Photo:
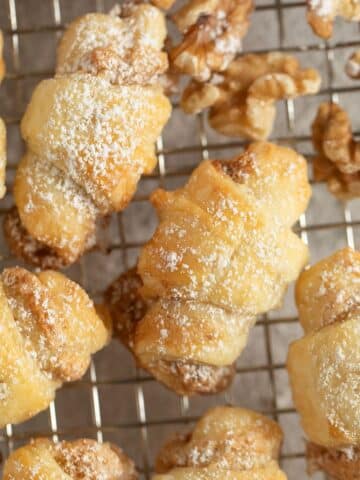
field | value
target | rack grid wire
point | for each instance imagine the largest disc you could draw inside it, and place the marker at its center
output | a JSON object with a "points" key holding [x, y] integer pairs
{"points": [[114, 401]]}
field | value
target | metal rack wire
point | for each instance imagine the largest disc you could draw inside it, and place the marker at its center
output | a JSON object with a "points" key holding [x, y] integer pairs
{"points": [[135, 430]]}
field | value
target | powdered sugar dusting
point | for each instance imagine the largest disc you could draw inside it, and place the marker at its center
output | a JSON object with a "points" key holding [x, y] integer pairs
{"points": [[78, 460], [92, 129], [52, 325], [220, 256], [125, 48], [327, 396], [226, 439]]}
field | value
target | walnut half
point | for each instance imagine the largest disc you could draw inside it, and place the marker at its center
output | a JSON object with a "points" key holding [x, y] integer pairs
{"points": [[213, 30], [321, 14], [338, 159], [242, 100]]}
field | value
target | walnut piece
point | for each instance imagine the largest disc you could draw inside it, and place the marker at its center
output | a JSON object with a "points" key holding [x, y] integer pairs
{"points": [[321, 14], [242, 99], [213, 30], [338, 159], [353, 65]]}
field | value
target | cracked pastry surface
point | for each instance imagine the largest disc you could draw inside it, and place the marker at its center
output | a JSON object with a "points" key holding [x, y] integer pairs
{"points": [[338, 153], [223, 252], [226, 443], [324, 365], [321, 14], [212, 34], [49, 331], [77, 460], [242, 100], [90, 131]]}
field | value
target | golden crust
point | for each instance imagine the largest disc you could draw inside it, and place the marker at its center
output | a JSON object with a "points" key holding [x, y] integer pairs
{"points": [[321, 14], [91, 44], [328, 291], [77, 460], [242, 100], [90, 131], [108, 169], [24, 246], [213, 30], [338, 154], [127, 308], [223, 252], [227, 442], [324, 364], [50, 329]]}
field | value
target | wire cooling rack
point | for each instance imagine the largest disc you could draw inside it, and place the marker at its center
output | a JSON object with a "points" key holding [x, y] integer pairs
{"points": [[114, 401]]}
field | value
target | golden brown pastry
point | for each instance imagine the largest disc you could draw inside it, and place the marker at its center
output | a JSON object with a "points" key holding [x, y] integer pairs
{"points": [[227, 443], [212, 34], [321, 14], [90, 133], [338, 153], [49, 329], [223, 252], [324, 365], [353, 65], [242, 100], [78, 460]]}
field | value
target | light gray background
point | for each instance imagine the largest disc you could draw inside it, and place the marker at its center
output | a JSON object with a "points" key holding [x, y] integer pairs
{"points": [[136, 412]]}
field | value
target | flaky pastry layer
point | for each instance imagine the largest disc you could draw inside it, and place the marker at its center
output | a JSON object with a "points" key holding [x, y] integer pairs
{"points": [[90, 132], [226, 443], [49, 330], [223, 252], [77, 460], [324, 365]]}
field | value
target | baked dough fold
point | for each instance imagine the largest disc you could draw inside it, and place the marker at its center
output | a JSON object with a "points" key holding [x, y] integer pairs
{"points": [[90, 133], [226, 443], [77, 460], [223, 253], [49, 330], [324, 365]]}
